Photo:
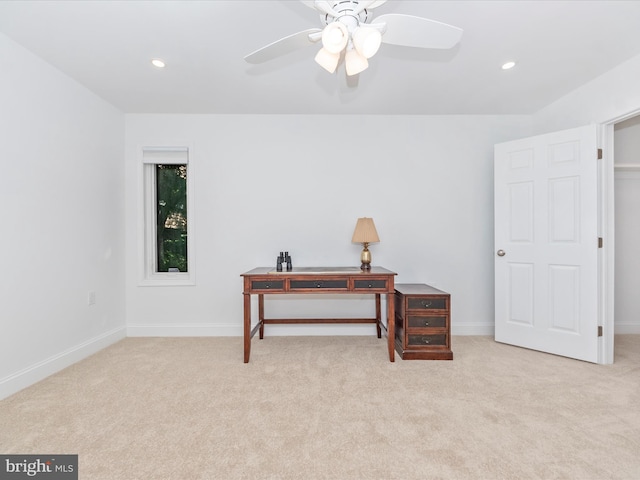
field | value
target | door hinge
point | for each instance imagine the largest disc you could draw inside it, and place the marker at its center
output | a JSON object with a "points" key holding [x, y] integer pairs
{"points": [[600, 242], [599, 330], [599, 154]]}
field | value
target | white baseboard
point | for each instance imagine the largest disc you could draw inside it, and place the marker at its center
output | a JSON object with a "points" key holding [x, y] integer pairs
{"points": [[489, 329], [626, 328], [41, 370], [182, 330], [235, 330], [468, 329]]}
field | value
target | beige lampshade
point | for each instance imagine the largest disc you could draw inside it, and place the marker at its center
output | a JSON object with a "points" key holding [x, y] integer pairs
{"points": [[365, 231]]}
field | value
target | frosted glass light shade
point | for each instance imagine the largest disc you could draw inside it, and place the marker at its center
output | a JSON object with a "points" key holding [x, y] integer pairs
{"points": [[327, 60], [335, 37], [354, 62], [367, 41]]}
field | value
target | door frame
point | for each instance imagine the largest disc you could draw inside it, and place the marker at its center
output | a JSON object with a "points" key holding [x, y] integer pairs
{"points": [[607, 228]]}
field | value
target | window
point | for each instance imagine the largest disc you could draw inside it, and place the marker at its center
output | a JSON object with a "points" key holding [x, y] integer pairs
{"points": [[167, 246], [171, 218]]}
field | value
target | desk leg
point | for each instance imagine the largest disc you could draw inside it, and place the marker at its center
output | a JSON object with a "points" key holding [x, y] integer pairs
{"points": [[391, 325], [378, 315], [247, 327], [261, 314]]}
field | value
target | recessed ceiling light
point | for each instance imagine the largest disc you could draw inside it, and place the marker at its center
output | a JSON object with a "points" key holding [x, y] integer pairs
{"points": [[508, 65], [156, 62]]}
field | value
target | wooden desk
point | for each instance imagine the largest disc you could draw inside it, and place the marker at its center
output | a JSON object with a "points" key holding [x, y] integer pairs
{"points": [[263, 281]]}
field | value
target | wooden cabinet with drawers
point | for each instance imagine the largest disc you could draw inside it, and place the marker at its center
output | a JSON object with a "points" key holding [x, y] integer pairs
{"points": [[423, 322]]}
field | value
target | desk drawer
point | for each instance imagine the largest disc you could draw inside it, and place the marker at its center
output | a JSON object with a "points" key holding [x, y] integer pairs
{"points": [[259, 285], [434, 321], [427, 340], [428, 303], [319, 284], [369, 284]]}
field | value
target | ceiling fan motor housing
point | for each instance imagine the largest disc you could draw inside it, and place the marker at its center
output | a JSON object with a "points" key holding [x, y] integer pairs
{"points": [[346, 10]]}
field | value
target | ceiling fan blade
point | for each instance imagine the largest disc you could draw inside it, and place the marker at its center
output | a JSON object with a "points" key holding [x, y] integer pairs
{"points": [[410, 31], [325, 7], [285, 45], [367, 5], [322, 6], [376, 4]]}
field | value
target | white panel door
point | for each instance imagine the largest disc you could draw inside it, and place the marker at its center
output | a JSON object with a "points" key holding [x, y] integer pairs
{"points": [[546, 243]]}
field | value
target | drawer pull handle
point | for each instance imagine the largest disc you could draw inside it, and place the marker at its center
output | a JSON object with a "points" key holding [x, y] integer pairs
{"points": [[426, 340], [370, 286], [426, 323], [426, 303], [268, 285], [318, 284]]}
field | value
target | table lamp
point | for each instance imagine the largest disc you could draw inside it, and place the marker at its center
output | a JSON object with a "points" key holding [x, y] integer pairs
{"points": [[365, 233]]}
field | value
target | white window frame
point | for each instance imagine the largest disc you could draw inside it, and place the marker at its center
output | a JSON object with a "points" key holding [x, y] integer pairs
{"points": [[150, 157]]}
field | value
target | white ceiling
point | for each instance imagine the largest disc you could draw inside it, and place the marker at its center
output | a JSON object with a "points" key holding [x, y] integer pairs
{"points": [[108, 45]]}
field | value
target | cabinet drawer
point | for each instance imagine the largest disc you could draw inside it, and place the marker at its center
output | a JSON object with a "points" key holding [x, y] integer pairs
{"points": [[427, 340], [324, 284], [267, 285], [427, 303], [370, 284], [421, 321]]}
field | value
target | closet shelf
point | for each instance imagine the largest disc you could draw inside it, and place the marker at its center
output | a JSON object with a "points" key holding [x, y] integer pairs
{"points": [[628, 167]]}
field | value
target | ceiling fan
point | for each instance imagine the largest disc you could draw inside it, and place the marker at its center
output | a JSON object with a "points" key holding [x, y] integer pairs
{"points": [[350, 34]]}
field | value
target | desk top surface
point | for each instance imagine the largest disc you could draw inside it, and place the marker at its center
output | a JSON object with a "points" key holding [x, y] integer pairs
{"points": [[319, 271]]}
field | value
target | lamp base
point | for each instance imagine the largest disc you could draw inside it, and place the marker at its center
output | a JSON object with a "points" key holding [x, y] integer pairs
{"points": [[365, 257]]}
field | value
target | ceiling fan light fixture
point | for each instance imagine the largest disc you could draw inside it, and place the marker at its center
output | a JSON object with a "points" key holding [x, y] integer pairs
{"points": [[354, 62], [367, 41], [327, 60], [335, 37], [348, 36]]}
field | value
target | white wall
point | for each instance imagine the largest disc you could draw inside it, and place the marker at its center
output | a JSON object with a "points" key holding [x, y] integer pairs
{"points": [[627, 225], [610, 96], [61, 191], [269, 183]]}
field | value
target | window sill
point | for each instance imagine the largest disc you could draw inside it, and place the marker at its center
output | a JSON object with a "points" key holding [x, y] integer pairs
{"points": [[168, 280]]}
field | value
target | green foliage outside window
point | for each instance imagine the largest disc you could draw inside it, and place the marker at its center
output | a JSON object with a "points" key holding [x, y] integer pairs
{"points": [[171, 191]]}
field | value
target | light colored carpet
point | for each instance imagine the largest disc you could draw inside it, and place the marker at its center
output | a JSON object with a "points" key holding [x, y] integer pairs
{"points": [[333, 408]]}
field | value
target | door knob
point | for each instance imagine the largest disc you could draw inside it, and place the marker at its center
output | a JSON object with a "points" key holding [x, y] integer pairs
{"points": [[501, 253]]}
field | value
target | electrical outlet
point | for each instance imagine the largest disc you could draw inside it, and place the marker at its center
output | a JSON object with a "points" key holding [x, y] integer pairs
{"points": [[91, 298]]}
